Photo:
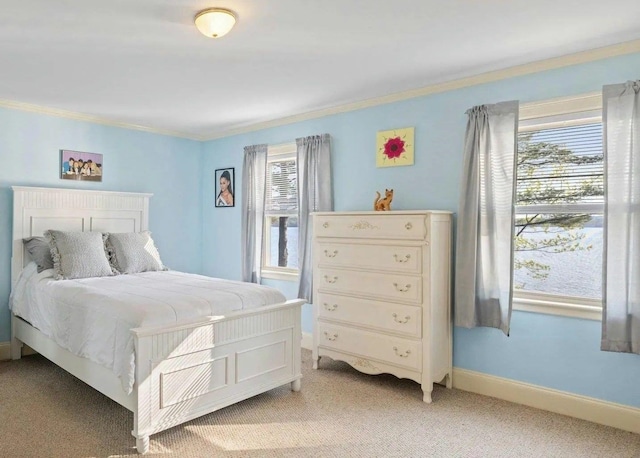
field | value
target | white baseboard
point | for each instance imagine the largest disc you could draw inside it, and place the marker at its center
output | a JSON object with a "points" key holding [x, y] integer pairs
{"points": [[307, 340], [5, 351], [574, 405]]}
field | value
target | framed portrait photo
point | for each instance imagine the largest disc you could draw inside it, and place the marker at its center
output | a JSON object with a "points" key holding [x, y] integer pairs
{"points": [[78, 165], [225, 187]]}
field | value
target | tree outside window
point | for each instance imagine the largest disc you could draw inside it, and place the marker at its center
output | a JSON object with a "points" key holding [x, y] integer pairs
{"points": [[559, 205], [281, 210]]}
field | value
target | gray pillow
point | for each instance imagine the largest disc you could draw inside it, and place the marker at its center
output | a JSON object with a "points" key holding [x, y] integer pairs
{"points": [[133, 252], [38, 249], [78, 254]]}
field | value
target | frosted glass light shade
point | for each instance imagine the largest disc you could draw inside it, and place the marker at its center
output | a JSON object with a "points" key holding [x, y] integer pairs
{"points": [[215, 22]]}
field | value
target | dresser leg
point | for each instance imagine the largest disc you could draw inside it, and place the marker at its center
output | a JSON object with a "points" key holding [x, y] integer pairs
{"points": [[426, 393], [449, 381], [315, 362]]}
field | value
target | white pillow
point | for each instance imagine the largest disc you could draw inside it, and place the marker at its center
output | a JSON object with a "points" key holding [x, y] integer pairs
{"points": [[133, 252], [78, 254]]}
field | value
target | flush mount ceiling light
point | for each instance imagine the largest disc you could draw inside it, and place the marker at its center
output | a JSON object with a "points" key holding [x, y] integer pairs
{"points": [[215, 22]]}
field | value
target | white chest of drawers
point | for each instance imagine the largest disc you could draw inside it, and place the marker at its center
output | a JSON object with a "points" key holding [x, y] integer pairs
{"points": [[382, 293]]}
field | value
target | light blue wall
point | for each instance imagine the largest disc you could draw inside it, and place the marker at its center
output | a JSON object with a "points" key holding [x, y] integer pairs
{"points": [[133, 161], [555, 352], [193, 236]]}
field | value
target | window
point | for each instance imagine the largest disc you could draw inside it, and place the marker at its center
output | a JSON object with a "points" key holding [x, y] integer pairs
{"points": [[559, 213], [280, 256]]}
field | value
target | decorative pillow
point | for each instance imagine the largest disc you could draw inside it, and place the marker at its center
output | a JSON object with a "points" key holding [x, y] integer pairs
{"points": [[78, 254], [38, 249], [133, 252]]}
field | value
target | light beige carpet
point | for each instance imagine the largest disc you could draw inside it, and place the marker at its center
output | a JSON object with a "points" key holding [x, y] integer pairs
{"points": [[44, 412]]}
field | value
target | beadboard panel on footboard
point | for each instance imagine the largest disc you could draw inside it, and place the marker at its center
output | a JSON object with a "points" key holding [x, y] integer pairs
{"points": [[193, 369]]}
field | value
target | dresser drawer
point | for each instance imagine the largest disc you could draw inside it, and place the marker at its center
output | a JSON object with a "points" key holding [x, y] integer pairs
{"points": [[403, 288], [382, 226], [392, 350], [384, 316], [375, 257]]}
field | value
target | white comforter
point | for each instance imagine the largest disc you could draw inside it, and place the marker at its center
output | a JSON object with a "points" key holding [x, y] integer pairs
{"points": [[92, 317]]}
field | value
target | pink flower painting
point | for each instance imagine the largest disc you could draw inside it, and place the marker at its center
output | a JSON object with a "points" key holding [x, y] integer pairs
{"points": [[395, 147]]}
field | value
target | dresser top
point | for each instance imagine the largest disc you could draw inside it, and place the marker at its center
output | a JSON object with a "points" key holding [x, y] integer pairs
{"points": [[392, 212]]}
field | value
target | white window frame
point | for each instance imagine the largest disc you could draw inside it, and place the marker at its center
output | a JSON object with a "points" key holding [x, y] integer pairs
{"points": [[274, 154], [547, 114]]}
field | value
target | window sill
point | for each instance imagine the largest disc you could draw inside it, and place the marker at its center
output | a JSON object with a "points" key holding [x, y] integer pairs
{"points": [[280, 275], [570, 307]]}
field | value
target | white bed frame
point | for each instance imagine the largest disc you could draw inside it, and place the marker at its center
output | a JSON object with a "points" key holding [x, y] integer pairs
{"points": [[183, 371]]}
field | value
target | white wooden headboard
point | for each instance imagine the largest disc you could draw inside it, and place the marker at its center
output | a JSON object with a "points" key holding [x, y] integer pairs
{"points": [[37, 209]]}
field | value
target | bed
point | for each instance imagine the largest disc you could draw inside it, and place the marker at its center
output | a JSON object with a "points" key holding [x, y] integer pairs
{"points": [[182, 370]]}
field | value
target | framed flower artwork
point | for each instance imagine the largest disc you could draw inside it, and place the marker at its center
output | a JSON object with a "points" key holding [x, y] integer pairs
{"points": [[394, 147]]}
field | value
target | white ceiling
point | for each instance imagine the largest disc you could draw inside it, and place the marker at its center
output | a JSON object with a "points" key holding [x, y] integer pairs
{"points": [[143, 62]]}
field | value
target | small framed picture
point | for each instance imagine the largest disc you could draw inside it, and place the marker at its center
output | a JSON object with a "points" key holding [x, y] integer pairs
{"points": [[77, 165], [225, 185]]}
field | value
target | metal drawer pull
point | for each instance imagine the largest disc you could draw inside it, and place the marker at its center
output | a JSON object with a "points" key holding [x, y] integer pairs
{"points": [[328, 336], [399, 288], [401, 321], [330, 255], [408, 226], [325, 225], [401, 355], [330, 308], [406, 258], [330, 280]]}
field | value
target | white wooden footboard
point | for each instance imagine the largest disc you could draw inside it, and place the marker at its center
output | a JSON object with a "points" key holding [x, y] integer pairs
{"points": [[189, 370], [185, 371]]}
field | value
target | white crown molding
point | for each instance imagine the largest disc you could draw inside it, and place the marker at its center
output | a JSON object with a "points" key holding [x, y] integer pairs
{"points": [[574, 405], [620, 49], [92, 119]]}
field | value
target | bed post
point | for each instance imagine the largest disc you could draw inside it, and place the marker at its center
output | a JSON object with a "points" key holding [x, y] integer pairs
{"points": [[16, 345], [297, 349], [142, 412]]}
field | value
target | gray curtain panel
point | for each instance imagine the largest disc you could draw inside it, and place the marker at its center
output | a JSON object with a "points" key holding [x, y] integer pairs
{"points": [[254, 171], [484, 250], [621, 263], [314, 194]]}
